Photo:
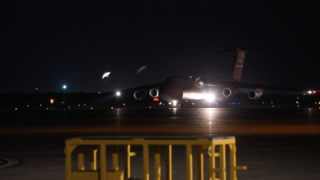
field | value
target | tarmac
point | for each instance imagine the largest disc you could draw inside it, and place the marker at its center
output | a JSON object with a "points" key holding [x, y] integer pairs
{"points": [[272, 143]]}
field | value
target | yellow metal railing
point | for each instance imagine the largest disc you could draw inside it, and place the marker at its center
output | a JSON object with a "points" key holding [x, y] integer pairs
{"points": [[202, 143]]}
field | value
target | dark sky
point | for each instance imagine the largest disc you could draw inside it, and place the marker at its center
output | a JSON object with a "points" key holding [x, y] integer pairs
{"points": [[46, 44]]}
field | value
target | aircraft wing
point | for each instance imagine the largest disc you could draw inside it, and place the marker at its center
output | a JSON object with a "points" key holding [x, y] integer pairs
{"points": [[238, 84], [142, 87]]}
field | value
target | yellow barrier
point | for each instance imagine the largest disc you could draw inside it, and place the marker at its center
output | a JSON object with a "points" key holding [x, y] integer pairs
{"points": [[202, 143]]}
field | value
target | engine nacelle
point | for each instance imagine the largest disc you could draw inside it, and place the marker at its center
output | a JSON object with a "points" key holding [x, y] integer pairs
{"points": [[255, 94], [154, 92], [139, 95], [227, 92]]}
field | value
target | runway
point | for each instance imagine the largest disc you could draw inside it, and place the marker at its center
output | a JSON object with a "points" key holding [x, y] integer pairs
{"points": [[201, 121], [273, 143]]}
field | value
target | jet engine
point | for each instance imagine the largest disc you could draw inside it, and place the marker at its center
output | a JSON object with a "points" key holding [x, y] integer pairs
{"points": [[227, 92], [139, 95], [255, 94], [154, 92]]}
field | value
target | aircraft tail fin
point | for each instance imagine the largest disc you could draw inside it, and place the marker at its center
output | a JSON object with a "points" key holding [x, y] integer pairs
{"points": [[238, 65]]}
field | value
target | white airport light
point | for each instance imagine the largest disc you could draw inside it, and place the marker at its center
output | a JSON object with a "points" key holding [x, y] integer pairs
{"points": [[64, 86], [309, 92], [118, 93], [174, 103]]}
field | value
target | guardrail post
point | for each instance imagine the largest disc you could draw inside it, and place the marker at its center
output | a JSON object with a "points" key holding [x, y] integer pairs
{"points": [[157, 163], [80, 158], [68, 152], [222, 163], [103, 161], [115, 158], [233, 162], [200, 163], [233, 171], [169, 162], [145, 161], [127, 161], [212, 161], [189, 162], [93, 157]]}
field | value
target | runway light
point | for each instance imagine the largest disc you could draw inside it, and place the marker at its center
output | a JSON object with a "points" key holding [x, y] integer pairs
{"points": [[91, 108], [155, 99], [169, 103], [40, 104], [15, 108], [111, 107], [314, 92], [309, 92], [118, 93], [64, 86]]}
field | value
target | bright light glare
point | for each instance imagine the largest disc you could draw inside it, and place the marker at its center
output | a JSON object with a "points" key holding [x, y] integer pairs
{"points": [[174, 102], [118, 93], [210, 97], [64, 86], [309, 92]]}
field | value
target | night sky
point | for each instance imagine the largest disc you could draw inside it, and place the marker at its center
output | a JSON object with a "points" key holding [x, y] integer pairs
{"points": [[46, 44]]}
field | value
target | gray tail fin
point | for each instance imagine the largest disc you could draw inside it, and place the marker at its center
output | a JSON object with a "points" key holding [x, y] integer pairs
{"points": [[238, 65]]}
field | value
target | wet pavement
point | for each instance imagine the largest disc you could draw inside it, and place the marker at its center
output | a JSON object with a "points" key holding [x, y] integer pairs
{"points": [[273, 143]]}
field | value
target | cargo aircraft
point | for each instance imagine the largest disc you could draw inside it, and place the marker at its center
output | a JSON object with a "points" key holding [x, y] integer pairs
{"points": [[175, 89]]}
